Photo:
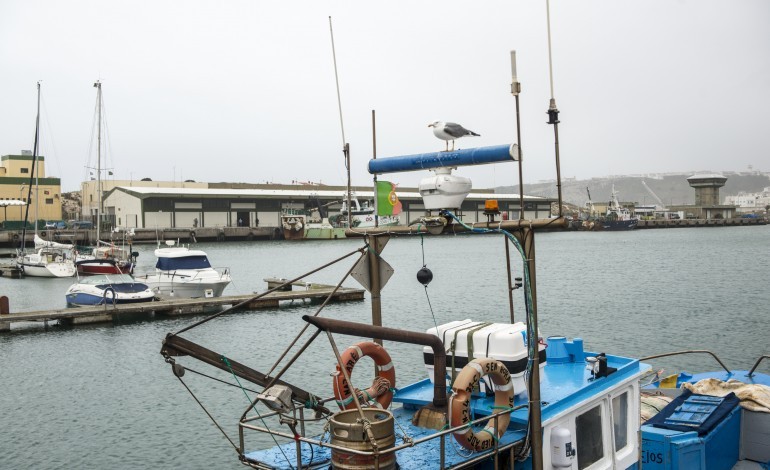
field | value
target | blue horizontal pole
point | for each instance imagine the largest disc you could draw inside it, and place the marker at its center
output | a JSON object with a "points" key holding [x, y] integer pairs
{"points": [[464, 157]]}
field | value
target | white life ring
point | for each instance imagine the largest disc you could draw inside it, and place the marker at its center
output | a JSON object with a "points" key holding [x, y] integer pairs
{"points": [[460, 404]]}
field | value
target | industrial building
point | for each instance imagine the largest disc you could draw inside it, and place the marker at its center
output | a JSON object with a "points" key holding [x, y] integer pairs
{"points": [[261, 205], [43, 195]]}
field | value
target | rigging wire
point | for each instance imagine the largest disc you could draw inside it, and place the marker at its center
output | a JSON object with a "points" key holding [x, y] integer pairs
{"points": [[253, 405], [432, 314], [208, 414]]}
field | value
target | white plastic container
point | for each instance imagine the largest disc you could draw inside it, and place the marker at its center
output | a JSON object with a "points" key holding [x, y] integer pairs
{"points": [[503, 341]]}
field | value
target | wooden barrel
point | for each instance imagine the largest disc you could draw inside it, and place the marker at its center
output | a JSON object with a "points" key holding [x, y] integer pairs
{"points": [[347, 432]]}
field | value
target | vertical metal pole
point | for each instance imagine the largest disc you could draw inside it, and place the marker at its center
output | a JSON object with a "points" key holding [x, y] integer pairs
{"points": [[527, 238], [374, 277], [515, 90], [521, 172], [347, 165], [508, 271], [374, 157], [553, 113]]}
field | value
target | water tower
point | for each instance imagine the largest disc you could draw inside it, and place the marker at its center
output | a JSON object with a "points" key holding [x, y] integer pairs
{"points": [[707, 188]]}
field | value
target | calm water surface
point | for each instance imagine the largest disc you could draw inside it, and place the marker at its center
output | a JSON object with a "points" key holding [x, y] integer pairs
{"points": [[102, 397]]}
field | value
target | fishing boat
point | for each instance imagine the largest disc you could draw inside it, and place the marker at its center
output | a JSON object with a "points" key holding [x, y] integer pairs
{"points": [[493, 394], [183, 272], [108, 289], [363, 215], [617, 216], [314, 223]]}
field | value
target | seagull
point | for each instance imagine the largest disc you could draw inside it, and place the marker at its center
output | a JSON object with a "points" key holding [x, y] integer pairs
{"points": [[450, 131]]}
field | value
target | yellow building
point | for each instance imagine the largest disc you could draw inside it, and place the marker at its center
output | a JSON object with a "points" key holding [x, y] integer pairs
{"points": [[15, 172]]}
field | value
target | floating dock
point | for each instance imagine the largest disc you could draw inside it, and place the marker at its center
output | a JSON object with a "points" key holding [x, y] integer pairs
{"points": [[182, 306]]}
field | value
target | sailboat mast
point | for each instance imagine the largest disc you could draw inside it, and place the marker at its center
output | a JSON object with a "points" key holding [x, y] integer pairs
{"points": [[32, 174], [345, 146], [98, 86]]}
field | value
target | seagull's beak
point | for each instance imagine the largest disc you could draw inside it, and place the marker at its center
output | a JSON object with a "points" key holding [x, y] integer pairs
{"points": [[430, 125]]}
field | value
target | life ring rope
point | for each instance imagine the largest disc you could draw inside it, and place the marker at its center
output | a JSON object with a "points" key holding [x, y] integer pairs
{"points": [[460, 403], [380, 394]]}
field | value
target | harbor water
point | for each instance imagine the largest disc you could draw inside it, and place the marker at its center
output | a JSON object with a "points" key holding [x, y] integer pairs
{"points": [[101, 396]]}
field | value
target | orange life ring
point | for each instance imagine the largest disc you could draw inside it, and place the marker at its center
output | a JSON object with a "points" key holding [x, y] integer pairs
{"points": [[460, 404], [386, 373]]}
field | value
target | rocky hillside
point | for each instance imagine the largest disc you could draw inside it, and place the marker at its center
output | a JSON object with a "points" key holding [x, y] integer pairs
{"points": [[671, 189], [70, 205]]}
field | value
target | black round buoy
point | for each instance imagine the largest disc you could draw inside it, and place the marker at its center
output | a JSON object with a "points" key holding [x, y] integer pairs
{"points": [[424, 275]]}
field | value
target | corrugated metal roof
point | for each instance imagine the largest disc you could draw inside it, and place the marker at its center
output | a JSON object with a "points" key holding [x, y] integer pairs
{"points": [[410, 193]]}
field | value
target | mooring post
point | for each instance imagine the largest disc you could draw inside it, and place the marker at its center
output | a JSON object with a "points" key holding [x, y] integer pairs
{"points": [[4, 310]]}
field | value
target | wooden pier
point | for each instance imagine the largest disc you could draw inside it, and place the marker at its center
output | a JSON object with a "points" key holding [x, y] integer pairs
{"points": [[681, 223], [179, 306]]}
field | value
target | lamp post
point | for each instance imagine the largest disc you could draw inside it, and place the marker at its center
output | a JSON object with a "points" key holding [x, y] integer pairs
{"points": [[21, 192]]}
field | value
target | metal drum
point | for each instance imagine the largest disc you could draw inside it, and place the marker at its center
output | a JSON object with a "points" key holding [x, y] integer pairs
{"points": [[346, 431]]}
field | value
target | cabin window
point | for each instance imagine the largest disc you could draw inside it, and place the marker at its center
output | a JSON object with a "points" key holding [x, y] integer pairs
{"points": [[25, 170], [588, 430], [186, 262], [49, 201], [620, 420]]}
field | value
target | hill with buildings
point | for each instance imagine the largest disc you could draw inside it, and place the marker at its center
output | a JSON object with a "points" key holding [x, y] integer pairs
{"points": [[671, 189]]}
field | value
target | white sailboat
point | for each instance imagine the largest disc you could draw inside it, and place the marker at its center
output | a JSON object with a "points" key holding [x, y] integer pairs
{"points": [[49, 259], [105, 257]]}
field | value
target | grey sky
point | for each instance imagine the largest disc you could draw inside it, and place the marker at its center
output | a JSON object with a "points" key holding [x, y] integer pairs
{"points": [[243, 91]]}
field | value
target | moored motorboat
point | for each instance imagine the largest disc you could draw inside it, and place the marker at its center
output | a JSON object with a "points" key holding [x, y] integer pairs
{"points": [[108, 289], [183, 272], [106, 258]]}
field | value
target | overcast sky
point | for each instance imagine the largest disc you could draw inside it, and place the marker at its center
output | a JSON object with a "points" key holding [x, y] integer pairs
{"points": [[243, 91]]}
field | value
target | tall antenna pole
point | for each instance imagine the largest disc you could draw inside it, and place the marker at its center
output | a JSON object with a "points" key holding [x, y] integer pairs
{"points": [[345, 146], [515, 90], [553, 112]]}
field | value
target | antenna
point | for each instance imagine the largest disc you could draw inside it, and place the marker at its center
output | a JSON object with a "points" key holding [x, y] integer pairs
{"points": [[553, 112], [345, 146], [515, 90]]}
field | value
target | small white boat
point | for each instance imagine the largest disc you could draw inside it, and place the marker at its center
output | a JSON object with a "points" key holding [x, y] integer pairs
{"points": [[108, 289], [182, 272]]}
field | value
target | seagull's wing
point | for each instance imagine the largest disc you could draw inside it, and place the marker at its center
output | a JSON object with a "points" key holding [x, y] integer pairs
{"points": [[456, 130]]}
